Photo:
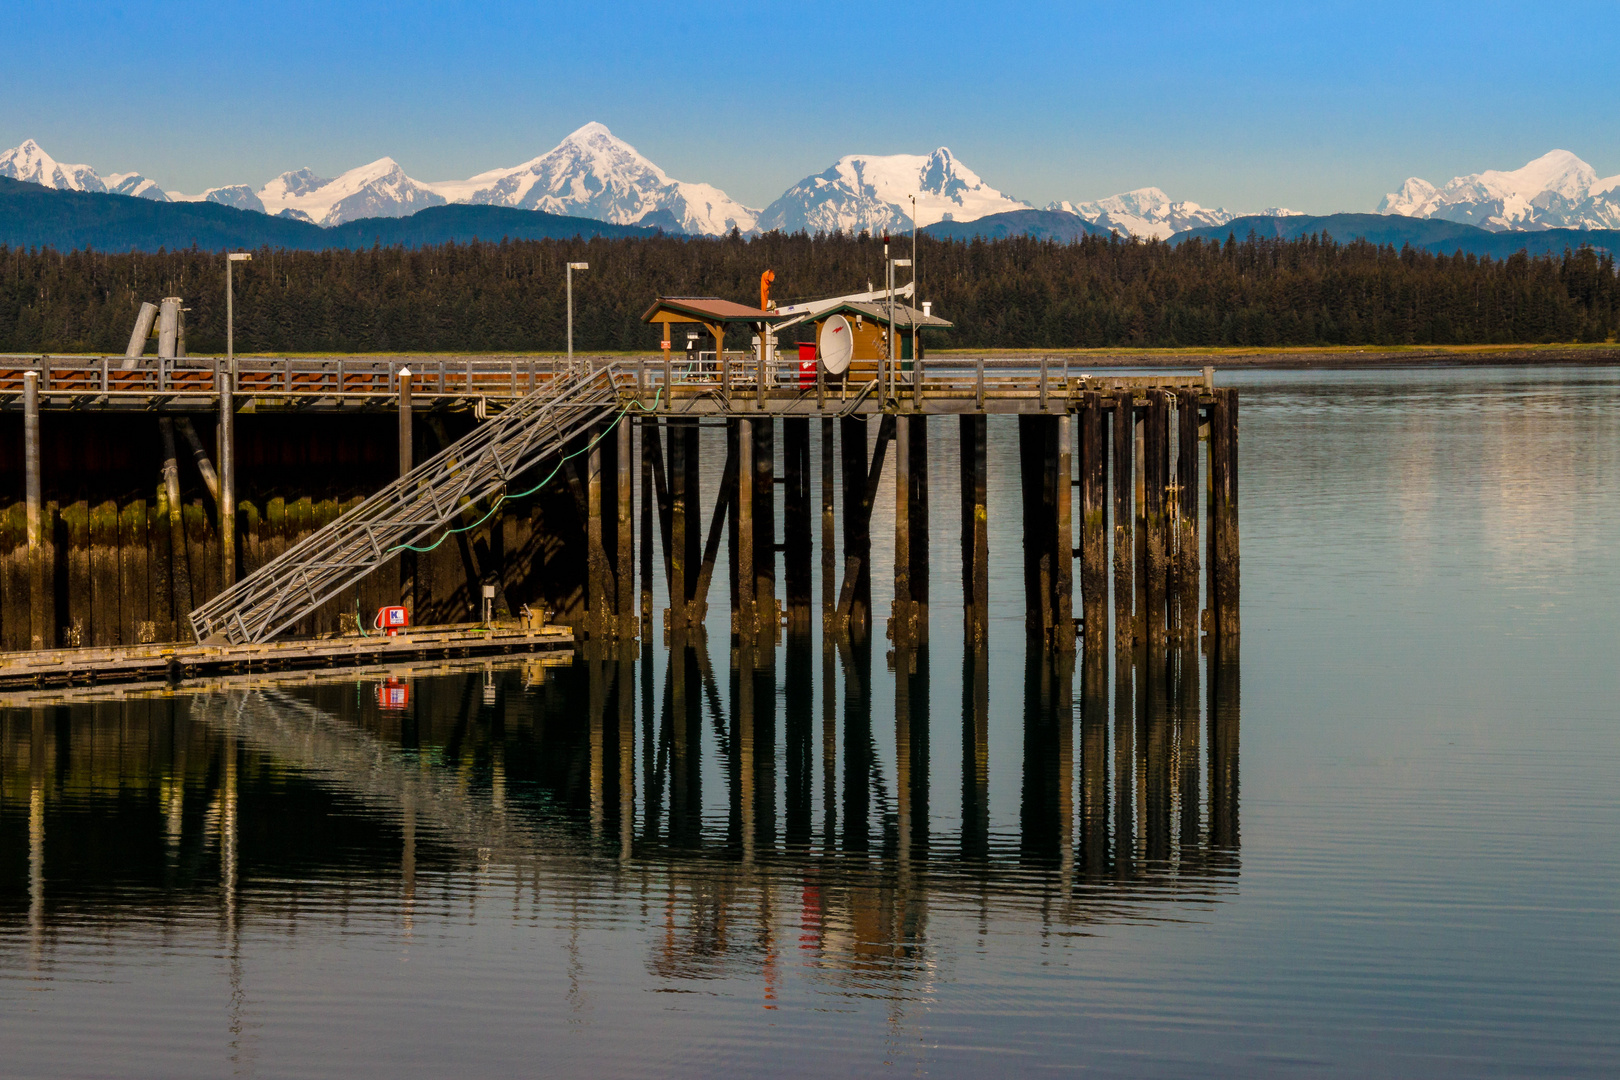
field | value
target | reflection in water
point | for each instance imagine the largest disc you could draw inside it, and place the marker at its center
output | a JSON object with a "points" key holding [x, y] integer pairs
{"points": [[756, 847]]}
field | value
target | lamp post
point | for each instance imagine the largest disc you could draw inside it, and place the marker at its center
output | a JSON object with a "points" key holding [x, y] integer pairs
{"points": [[227, 430], [571, 268], [894, 337]]}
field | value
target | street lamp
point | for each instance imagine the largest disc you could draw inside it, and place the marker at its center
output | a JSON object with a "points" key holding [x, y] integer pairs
{"points": [[227, 429], [571, 268]]}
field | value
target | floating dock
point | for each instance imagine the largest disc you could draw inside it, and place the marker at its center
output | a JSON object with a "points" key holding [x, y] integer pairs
{"points": [[173, 662]]}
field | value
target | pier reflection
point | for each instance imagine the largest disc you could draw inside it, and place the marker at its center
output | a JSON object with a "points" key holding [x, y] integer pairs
{"points": [[754, 836]]}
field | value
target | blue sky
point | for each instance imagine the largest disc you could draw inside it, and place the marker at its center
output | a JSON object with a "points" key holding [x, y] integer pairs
{"points": [[1318, 107]]}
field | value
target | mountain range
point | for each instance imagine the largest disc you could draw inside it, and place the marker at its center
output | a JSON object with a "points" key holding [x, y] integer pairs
{"points": [[593, 176]]}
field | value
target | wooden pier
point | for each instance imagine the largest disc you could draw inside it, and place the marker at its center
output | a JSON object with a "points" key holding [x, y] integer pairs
{"points": [[1134, 478]]}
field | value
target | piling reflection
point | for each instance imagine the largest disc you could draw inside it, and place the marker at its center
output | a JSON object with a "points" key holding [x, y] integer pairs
{"points": [[754, 844]]}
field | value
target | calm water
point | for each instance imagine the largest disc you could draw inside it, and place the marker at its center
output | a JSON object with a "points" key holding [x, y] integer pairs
{"points": [[654, 869]]}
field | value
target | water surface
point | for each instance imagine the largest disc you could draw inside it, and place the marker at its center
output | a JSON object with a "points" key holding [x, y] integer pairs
{"points": [[1380, 836]]}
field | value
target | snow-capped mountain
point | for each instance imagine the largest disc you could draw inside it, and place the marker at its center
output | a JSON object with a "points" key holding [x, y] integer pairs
{"points": [[863, 191], [135, 184], [1556, 190], [30, 162], [380, 189], [1150, 213], [238, 195], [594, 174]]}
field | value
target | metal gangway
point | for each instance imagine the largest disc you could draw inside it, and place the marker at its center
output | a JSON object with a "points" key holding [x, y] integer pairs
{"points": [[409, 510]]}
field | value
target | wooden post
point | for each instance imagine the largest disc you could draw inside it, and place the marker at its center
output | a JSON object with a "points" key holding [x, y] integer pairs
{"points": [[1124, 519], [1156, 466], [679, 526], [407, 559], [649, 446], [39, 634], [744, 617], [900, 610], [597, 620], [796, 533], [918, 517], [1223, 524], [765, 613], [694, 525], [1037, 483], [1060, 457], [1188, 490], [1093, 515], [857, 538], [624, 548], [829, 560], [975, 530], [227, 478], [178, 557]]}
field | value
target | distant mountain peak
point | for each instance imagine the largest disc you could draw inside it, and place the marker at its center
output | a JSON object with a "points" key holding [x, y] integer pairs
{"points": [[30, 162], [1555, 190], [874, 192]]}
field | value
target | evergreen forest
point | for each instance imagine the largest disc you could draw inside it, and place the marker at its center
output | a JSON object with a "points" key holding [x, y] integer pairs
{"points": [[1016, 292]]}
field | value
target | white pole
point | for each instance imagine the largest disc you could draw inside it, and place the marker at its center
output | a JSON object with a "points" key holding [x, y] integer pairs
{"points": [[570, 316]]}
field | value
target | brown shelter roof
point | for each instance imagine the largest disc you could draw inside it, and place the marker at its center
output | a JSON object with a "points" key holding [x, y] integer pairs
{"points": [[705, 309]]}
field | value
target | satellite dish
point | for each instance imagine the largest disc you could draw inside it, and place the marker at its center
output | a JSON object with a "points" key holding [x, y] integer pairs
{"points": [[836, 345]]}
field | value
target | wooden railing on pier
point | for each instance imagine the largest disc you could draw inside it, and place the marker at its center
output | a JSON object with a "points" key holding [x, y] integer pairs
{"points": [[189, 384]]}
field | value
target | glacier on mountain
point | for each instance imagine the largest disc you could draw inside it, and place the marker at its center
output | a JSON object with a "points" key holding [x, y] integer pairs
{"points": [[873, 192], [30, 162], [594, 174], [1555, 191]]}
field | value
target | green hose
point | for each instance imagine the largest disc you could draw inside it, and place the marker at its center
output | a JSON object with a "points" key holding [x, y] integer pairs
{"points": [[503, 496]]}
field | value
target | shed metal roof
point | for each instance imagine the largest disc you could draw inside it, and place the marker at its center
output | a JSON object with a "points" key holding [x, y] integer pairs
{"points": [[707, 309], [905, 316]]}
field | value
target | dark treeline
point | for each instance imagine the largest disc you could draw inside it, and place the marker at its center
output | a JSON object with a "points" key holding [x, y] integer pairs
{"points": [[1013, 293]]}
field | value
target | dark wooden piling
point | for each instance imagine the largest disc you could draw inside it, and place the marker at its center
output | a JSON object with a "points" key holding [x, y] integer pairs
{"points": [[829, 542], [901, 622], [179, 553], [1038, 521], [1093, 515], [40, 633], [78, 627], [975, 529], [1060, 463], [1124, 518], [767, 617], [918, 516], [1156, 482], [796, 528], [650, 446], [1188, 491], [860, 490], [683, 520], [624, 546], [1223, 516], [596, 565], [744, 612]]}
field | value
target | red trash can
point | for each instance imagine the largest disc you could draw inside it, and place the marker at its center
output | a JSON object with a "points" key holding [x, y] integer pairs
{"points": [[807, 363]]}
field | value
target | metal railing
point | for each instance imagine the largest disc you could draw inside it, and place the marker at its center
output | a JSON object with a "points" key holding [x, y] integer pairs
{"points": [[411, 509]]}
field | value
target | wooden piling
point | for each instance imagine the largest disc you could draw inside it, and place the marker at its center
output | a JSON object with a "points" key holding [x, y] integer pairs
{"points": [[650, 446], [854, 608], [1124, 518], [829, 559], [1037, 476], [1155, 480], [78, 628], [766, 617], [1223, 517], [596, 569], [920, 532], [1187, 491], [900, 619], [975, 529], [179, 554], [1093, 515], [680, 503], [796, 529], [40, 633], [624, 545], [1060, 457], [744, 616]]}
